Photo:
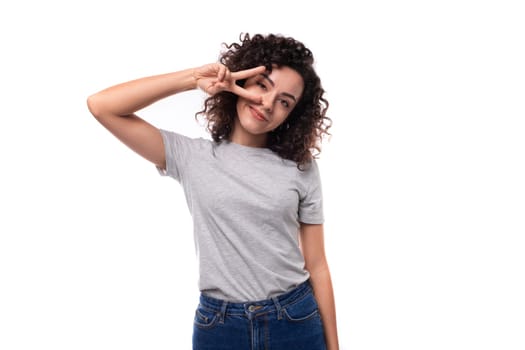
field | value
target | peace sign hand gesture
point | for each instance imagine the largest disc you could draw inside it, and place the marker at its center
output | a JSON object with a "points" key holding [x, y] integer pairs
{"points": [[215, 77]]}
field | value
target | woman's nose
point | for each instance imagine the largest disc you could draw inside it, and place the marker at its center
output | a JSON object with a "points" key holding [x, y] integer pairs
{"points": [[267, 102]]}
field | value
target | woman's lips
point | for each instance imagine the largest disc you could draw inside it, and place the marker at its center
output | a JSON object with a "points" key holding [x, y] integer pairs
{"points": [[258, 115]]}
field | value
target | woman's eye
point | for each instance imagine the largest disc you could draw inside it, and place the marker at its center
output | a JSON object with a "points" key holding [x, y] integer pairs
{"points": [[285, 103], [261, 85]]}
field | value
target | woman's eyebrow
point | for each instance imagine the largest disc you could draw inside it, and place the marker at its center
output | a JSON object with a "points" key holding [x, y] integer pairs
{"points": [[267, 77]]}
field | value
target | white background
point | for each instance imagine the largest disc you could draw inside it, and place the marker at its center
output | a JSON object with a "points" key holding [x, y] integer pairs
{"points": [[423, 176]]}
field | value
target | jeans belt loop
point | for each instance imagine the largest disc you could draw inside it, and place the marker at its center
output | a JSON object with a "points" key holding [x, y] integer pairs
{"points": [[278, 307], [223, 311]]}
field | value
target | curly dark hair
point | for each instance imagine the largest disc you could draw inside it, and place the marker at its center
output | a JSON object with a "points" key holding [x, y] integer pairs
{"points": [[299, 137]]}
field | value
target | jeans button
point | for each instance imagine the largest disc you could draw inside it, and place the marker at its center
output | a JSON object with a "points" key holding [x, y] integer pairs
{"points": [[251, 308]]}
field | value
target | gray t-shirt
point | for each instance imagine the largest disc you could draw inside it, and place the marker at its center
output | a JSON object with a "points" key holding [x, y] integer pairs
{"points": [[246, 204]]}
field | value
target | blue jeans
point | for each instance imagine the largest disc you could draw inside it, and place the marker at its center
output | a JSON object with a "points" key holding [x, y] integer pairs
{"points": [[289, 321]]}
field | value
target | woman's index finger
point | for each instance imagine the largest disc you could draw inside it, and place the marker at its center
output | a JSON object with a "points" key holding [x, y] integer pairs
{"points": [[248, 73], [241, 92]]}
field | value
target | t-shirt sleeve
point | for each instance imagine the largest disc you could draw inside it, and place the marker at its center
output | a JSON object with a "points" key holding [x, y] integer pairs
{"points": [[178, 150], [311, 202]]}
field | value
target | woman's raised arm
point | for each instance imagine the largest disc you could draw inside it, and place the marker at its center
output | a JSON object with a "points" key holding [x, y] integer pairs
{"points": [[115, 107]]}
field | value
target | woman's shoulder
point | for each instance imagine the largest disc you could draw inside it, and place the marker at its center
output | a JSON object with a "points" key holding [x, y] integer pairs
{"points": [[309, 171], [185, 139]]}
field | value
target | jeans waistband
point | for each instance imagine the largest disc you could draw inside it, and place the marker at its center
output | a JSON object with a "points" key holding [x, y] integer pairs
{"points": [[224, 307]]}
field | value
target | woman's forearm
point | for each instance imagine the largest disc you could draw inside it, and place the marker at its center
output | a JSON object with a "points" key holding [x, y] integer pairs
{"points": [[324, 294], [127, 98]]}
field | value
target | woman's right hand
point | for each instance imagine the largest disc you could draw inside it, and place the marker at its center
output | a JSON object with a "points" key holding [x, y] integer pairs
{"points": [[215, 77]]}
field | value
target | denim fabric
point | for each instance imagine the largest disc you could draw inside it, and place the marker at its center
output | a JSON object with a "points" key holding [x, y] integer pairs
{"points": [[289, 321]]}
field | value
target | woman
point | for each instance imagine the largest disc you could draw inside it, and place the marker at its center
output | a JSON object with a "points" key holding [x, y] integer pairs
{"points": [[253, 191]]}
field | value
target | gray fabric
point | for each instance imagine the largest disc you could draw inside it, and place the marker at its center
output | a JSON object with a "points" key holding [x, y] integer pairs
{"points": [[246, 205]]}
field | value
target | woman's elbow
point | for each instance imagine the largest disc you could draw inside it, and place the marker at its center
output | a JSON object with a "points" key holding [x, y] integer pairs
{"points": [[93, 104]]}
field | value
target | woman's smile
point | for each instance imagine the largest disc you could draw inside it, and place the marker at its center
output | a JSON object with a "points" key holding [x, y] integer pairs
{"points": [[258, 115]]}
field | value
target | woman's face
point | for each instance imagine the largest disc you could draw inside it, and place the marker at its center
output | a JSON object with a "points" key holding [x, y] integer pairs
{"points": [[280, 91]]}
